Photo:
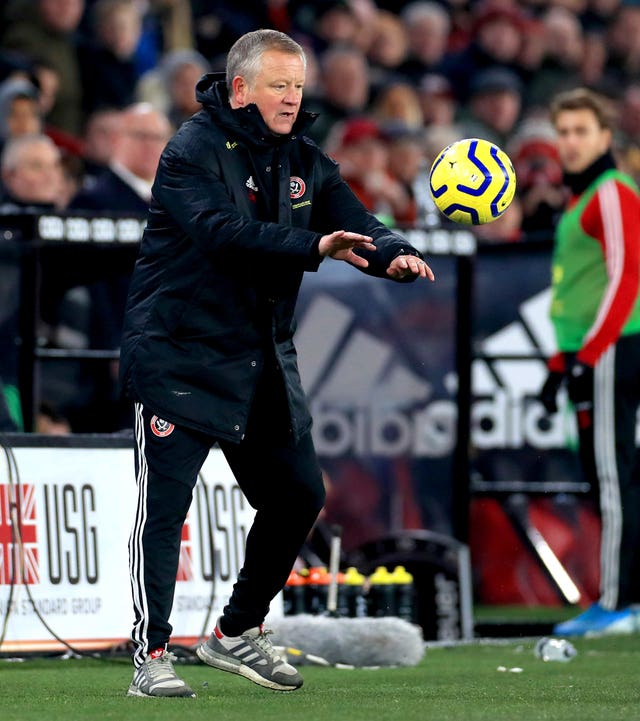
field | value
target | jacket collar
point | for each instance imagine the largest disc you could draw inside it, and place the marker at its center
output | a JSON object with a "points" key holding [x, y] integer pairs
{"points": [[579, 182]]}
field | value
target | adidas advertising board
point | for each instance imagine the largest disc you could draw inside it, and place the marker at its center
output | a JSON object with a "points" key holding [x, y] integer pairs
{"points": [[378, 363]]}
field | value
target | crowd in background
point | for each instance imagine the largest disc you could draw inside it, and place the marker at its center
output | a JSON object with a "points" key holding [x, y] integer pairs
{"points": [[90, 91]]}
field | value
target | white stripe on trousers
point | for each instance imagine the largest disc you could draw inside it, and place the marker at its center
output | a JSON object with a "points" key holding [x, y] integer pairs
{"points": [[136, 550], [604, 439]]}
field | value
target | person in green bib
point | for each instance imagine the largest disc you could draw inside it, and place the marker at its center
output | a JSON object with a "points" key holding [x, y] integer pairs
{"points": [[595, 312]]}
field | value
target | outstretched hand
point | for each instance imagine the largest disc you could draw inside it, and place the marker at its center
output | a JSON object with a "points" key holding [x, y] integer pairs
{"points": [[339, 245], [406, 265]]}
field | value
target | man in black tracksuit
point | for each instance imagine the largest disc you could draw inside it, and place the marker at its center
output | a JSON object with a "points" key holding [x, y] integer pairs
{"points": [[242, 205]]}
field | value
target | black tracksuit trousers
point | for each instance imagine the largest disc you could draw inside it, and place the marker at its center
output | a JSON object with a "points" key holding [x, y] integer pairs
{"points": [[280, 478], [609, 457]]}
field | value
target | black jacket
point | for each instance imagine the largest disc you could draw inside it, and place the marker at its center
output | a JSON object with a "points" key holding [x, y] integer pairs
{"points": [[236, 218]]}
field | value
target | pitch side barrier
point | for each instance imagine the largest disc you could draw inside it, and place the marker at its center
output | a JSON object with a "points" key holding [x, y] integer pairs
{"points": [[66, 505]]}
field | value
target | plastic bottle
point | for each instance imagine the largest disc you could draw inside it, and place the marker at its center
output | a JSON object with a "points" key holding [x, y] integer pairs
{"points": [[554, 649], [294, 594], [381, 597], [317, 587], [405, 598], [356, 603]]}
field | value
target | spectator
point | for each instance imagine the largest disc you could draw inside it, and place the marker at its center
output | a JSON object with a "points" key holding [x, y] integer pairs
{"points": [[326, 23], [407, 165], [46, 33], [494, 106], [561, 68], [363, 155], [389, 48], [125, 185], [539, 173], [344, 90], [397, 106], [428, 26], [623, 45], [107, 60], [31, 173], [32, 182], [497, 40], [19, 110], [171, 86], [437, 100], [99, 137]]}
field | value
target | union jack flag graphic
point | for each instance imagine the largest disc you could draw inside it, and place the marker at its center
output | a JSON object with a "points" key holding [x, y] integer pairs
{"points": [[185, 565], [15, 567]]}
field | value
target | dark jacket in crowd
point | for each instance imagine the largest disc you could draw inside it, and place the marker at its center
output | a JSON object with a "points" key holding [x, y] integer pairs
{"points": [[236, 218], [110, 193]]}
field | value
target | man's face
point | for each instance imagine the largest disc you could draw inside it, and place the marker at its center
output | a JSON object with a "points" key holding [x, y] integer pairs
{"points": [[277, 90], [580, 139], [37, 175], [140, 140]]}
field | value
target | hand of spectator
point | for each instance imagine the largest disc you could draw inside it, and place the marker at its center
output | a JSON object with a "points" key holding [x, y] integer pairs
{"points": [[339, 245]]}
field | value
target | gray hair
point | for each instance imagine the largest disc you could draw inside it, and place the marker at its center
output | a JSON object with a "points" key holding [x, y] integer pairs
{"points": [[246, 53], [12, 151], [425, 10]]}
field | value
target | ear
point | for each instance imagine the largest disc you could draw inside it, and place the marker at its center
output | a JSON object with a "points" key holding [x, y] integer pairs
{"points": [[240, 92]]}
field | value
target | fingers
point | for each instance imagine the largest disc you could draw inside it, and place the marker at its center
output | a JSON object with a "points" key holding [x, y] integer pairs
{"points": [[405, 265], [341, 240]]}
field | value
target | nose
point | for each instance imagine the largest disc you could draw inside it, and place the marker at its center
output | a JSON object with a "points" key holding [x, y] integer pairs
{"points": [[293, 96]]}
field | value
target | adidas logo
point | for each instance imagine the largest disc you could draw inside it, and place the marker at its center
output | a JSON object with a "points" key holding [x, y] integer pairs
{"points": [[366, 400], [507, 378], [251, 184]]}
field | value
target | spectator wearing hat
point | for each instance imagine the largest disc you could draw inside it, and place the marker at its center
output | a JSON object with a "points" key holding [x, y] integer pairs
{"points": [[437, 100], [497, 40], [363, 155], [19, 109], [494, 105], [540, 189]]}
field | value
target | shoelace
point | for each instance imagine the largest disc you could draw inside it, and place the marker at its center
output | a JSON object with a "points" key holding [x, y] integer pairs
{"points": [[264, 644], [161, 667]]}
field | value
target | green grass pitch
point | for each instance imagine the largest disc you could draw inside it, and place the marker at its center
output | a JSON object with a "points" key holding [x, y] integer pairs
{"points": [[457, 683]]}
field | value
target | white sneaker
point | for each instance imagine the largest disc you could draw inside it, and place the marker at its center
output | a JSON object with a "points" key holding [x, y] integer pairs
{"points": [[251, 655], [156, 677]]}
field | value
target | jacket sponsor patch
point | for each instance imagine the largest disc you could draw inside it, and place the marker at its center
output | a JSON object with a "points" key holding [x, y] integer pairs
{"points": [[297, 187], [160, 427]]}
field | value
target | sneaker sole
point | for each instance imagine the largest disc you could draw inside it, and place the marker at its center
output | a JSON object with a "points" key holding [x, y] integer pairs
{"points": [[135, 691], [246, 671]]}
